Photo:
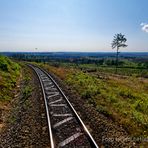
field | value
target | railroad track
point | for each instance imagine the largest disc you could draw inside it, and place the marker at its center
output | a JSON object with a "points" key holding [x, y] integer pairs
{"points": [[65, 127]]}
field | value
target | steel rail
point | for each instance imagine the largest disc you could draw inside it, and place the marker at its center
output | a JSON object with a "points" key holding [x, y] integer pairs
{"points": [[90, 138], [46, 107]]}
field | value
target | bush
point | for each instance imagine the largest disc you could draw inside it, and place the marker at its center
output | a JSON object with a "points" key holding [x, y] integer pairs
{"points": [[9, 72]]}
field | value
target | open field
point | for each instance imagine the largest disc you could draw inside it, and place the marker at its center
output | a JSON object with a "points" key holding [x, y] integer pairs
{"points": [[130, 64]]}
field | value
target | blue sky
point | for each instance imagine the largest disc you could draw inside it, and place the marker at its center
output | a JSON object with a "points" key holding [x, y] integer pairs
{"points": [[72, 25]]}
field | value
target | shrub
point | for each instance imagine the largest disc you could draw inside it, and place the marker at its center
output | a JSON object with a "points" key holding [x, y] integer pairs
{"points": [[9, 72]]}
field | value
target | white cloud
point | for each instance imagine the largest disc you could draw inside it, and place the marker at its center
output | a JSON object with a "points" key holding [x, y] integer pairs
{"points": [[142, 24], [144, 27]]}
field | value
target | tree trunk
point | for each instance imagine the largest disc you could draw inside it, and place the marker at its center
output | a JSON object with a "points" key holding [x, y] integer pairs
{"points": [[117, 59]]}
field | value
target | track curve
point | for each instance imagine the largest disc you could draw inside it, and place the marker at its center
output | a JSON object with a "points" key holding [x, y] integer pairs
{"points": [[66, 129]]}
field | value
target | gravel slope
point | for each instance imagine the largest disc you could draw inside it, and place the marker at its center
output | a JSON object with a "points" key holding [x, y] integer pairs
{"points": [[26, 125]]}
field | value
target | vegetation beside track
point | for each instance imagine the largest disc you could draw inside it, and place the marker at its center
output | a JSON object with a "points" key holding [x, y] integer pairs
{"points": [[122, 99], [9, 74]]}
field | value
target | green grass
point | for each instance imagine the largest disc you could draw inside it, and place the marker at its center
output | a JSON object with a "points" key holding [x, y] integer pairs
{"points": [[126, 67], [127, 71], [124, 104], [9, 74]]}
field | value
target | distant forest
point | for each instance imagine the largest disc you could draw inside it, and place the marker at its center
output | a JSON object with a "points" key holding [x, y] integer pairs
{"points": [[98, 58]]}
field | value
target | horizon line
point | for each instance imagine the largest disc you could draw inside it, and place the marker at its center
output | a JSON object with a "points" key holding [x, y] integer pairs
{"points": [[74, 51]]}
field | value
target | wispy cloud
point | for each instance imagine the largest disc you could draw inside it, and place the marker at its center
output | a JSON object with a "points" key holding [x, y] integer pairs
{"points": [[144, 27]]}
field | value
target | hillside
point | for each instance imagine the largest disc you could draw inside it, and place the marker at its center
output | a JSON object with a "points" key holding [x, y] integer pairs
{"points": [[9, 74]]}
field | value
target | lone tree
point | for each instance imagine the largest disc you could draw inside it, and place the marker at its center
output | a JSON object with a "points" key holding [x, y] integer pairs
{"points": [[118, 41]]}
